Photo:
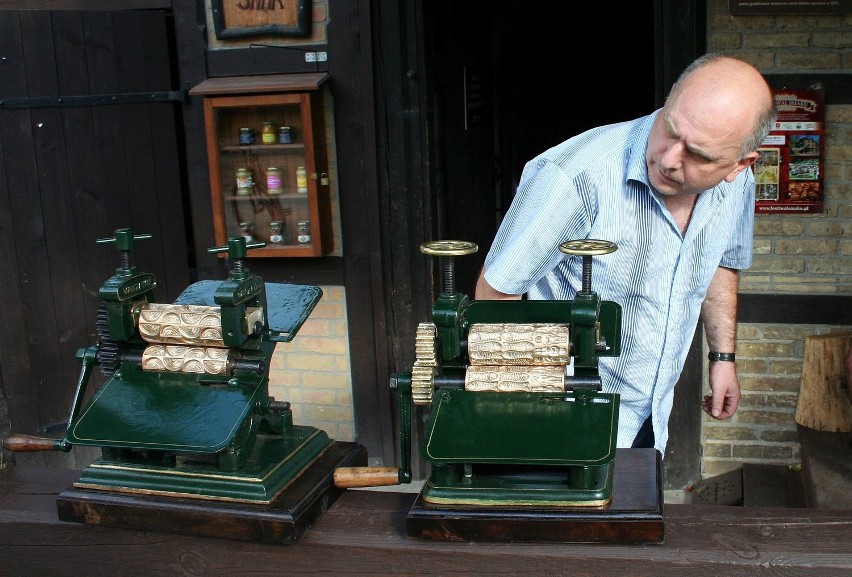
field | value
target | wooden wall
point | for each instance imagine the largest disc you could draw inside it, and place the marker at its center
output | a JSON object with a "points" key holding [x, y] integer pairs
{"points": [[89, 142]]}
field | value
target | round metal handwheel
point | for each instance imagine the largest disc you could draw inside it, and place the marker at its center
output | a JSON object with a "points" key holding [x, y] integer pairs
{"points": [[448, 248], [588, 247]]}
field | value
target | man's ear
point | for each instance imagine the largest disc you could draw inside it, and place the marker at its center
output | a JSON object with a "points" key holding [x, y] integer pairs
{"points": [[742, 164]]}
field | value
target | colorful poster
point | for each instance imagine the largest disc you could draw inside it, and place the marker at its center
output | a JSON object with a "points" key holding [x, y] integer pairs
{"points": [[789, 173]]}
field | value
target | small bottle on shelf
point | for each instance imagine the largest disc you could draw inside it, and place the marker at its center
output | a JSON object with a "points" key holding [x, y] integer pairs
{"points": [[301, 180], [246, 136], [273, 180], [276, 228], [245, 231], [304, 232], [245, 182], [268, 132]]}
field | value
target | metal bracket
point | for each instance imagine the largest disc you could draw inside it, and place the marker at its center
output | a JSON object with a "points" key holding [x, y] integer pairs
{"points": [[93, 100]]}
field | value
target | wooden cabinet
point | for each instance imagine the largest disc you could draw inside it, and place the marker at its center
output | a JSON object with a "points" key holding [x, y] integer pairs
{"points": [[270, 187]]}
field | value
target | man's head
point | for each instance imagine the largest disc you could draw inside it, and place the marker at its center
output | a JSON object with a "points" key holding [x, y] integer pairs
{"points": [[716, 116]]}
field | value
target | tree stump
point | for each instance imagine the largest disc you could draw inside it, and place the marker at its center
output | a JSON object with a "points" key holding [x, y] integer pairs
{"points": [[824, 402]]}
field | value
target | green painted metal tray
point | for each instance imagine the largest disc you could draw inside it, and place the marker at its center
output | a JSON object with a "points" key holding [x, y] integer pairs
{"points": [[521, 428], [154, 412]]}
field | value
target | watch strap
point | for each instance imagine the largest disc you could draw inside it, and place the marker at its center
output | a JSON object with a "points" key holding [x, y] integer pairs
{"points": [[729, 357]]}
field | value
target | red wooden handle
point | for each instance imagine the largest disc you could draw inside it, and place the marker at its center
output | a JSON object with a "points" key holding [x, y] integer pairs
{"points": [[29, 443]]}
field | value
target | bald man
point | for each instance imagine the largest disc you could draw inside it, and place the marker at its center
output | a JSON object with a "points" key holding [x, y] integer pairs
{"points": [[672, 190]]}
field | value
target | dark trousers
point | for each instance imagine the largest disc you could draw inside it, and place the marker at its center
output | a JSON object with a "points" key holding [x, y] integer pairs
{"points": [[645, 437]]}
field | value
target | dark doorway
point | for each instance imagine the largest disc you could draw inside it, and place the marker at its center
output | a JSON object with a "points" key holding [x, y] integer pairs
{"points": [[506, 81], [509, 80]]}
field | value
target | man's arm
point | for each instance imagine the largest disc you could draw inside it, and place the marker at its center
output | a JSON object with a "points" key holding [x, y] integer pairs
{"points": [[719, 314], [485, 292]]}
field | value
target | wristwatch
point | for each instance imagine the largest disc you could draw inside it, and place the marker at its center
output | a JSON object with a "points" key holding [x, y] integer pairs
{"points": [[714, 356]]}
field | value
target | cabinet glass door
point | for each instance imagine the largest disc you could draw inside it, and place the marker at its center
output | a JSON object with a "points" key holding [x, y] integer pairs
{"points": [[265, 182]]}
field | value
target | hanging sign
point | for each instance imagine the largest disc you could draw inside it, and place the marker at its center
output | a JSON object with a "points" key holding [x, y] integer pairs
{"points": [[247, 18], [789, 173]]}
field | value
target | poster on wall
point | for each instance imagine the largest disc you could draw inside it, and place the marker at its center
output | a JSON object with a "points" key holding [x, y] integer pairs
{"points": [[789, 173]]}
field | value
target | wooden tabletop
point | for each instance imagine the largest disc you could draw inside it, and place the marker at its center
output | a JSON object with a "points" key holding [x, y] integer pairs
{"points": [[364, 533]]}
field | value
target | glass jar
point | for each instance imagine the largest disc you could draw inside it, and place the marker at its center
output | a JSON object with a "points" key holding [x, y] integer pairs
{"points": [[246, 136], [284, 136], [245, 182], [267, 134], [276, 228], [304, 232], [245, 231], [273, 180], [301, 180]]}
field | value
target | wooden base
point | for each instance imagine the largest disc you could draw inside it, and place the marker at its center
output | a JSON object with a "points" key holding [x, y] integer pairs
{"points": [[635, 514], [364, 534], [283, 521]]}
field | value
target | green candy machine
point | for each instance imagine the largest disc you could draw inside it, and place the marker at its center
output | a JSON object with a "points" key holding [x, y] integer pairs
{"points": [[184, 419], [516, 414]]}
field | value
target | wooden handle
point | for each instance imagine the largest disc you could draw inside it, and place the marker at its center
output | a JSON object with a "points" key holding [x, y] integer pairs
{"points": [[29, 443], [349, 477]]}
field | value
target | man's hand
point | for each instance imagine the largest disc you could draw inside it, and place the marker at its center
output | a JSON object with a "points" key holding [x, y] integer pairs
{"points": [[725, 394]]}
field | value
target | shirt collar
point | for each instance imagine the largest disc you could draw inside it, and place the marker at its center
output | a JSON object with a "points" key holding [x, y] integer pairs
{"points": [[637, 168]]}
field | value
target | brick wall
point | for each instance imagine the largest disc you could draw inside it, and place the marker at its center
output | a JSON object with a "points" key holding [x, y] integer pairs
{"points": [[312, 371], [794, 253]]}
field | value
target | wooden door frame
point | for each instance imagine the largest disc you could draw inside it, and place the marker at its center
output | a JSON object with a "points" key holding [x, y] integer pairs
{"points": [[405, 158]]}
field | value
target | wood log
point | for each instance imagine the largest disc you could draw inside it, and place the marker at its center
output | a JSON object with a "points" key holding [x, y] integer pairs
{"points": [[824, 403]]}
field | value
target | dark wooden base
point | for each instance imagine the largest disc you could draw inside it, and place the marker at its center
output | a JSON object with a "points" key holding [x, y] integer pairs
{"points": [[635, 514], [283, 521], [363, 534]]}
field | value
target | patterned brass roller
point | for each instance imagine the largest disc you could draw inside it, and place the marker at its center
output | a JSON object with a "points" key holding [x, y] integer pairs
{"points": [[181, 359], [519, 344], [181, 324], [197, 325], [533, 379]]}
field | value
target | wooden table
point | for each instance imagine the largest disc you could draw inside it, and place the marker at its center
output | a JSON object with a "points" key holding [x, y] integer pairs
{"points": [[364, 533]]}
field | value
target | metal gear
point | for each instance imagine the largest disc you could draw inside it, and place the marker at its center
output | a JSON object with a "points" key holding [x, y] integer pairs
{"points": [[107, 355], [425, 363]]}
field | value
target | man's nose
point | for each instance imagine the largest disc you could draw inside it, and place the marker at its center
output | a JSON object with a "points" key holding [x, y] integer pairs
{"points": [[673, 155]]}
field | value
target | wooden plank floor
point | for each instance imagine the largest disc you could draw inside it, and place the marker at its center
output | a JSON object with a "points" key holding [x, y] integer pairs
{"points": [[364, 533]]}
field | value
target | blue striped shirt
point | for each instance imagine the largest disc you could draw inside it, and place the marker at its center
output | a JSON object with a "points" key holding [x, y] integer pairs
{"points": [[595, 185]]}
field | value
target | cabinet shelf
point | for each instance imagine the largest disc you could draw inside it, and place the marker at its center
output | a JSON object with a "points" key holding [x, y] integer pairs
{"points": [[284, 100], [297, 148], [266, 197]]}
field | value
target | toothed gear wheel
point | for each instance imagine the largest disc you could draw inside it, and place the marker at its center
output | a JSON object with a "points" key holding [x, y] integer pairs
{"points": [[425, 363], [107, 355]]}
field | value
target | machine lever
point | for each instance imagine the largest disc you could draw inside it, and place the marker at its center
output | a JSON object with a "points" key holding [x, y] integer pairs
{"points": [[349, 477]]}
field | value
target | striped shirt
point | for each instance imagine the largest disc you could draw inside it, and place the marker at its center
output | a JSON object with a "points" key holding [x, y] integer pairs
{"points": [[595, 185]]}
